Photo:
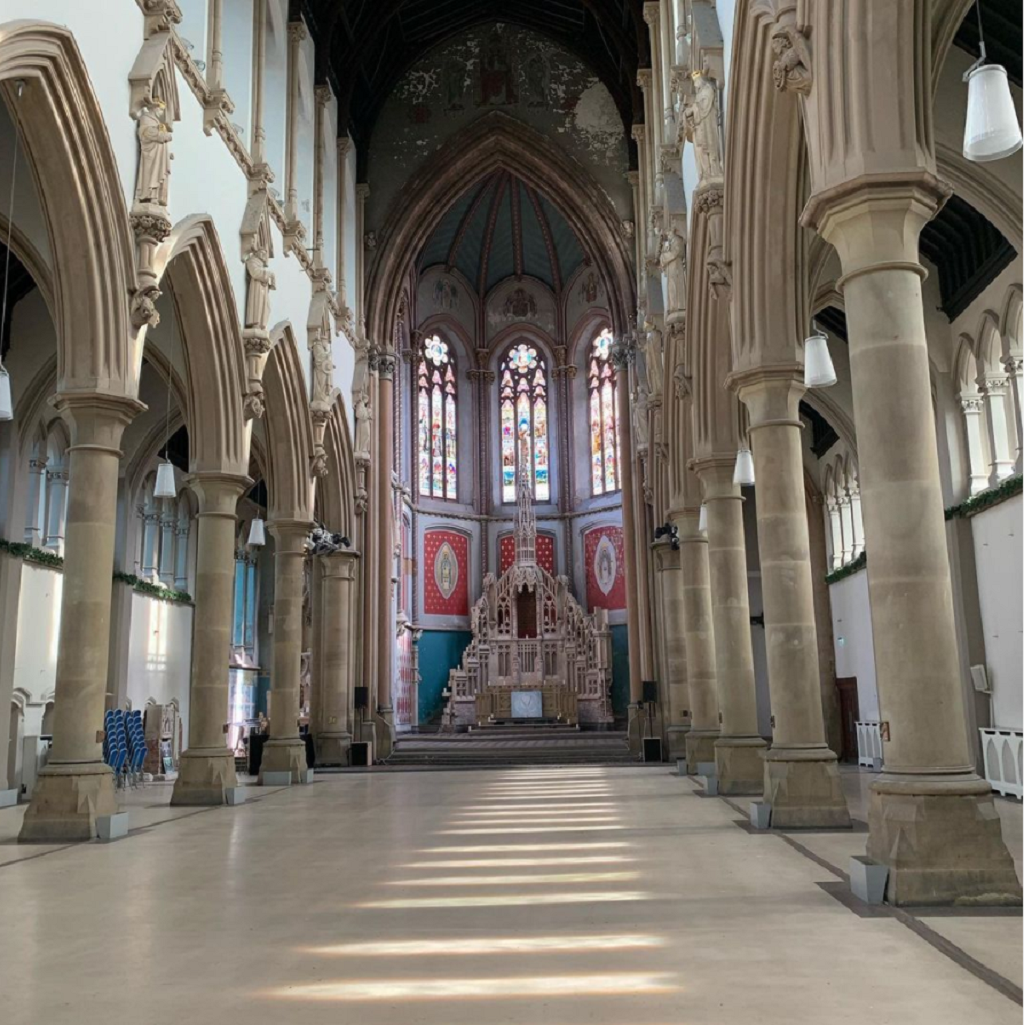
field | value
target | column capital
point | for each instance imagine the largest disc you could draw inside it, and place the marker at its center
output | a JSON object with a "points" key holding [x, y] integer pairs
{"points": [[715, 473], [217, 493], [97, 419], [772, 393], [652, 12], [340, 565], [290, 535]]}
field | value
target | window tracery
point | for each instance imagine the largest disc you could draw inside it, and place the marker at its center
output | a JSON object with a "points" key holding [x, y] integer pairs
{"points": [[524, 421], [437, 414]]}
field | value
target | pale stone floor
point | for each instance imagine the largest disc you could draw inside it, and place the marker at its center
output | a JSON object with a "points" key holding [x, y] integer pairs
{"points": [[612, 896]]}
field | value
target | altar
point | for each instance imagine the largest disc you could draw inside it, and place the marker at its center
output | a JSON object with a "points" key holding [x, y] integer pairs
{"points": [[533, 648]]}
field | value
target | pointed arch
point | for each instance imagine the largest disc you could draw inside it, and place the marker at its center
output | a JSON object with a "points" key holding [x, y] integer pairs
{"points": [[497, 142], [289, 429], [65, 138], [337, 491], [193, 262]]}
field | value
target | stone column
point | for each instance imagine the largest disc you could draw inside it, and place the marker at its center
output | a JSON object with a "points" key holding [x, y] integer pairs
{"points": [[385, 716], [56, 507], [677, 722], [181, 557], [34, 528], [739, 748], [932, 819], [699, 642], [76, 786], [285, 751], [801, 775], [972, 408], [167, 522], [207, 767], [1014, 365], [337, 655], [845, 524], [995, 388], [857, 515]]}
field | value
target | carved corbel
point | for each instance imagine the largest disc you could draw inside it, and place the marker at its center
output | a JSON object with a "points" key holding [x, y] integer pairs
{"points": [[791, 70], [318, 461], [160, 15]]}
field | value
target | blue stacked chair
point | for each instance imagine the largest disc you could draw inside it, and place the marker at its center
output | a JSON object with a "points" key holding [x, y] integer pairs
{"points": [[115, 744], [136, 745]]}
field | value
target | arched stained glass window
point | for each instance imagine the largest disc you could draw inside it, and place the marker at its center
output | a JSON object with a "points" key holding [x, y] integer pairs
{"points": [[603, 399], [524, 421], [437, 395]]}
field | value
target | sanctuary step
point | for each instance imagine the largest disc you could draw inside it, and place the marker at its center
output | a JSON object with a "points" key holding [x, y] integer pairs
{"points": [[514, 745]]}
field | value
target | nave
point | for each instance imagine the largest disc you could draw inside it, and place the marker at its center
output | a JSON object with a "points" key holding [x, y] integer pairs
{"points": [[563, 896]]}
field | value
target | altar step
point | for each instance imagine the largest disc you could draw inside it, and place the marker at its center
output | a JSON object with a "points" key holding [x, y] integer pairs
{"points": [[514, 745]]}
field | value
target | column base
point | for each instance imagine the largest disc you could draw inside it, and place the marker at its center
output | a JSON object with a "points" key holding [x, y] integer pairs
{"points": [[67, 800], [384, 720], [941, 841], [700, 748], [284, 756], [740, 762], [333, 748], [204, 774], [675, 740], [803, 788]]}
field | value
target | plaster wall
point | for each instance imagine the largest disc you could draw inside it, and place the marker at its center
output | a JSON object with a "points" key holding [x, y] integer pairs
{"points": [[854, 643], [160, 654], [999, 553], [35, 653]]}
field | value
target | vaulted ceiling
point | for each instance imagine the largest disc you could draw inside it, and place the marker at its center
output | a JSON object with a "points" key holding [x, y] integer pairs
{"points": [[500, 228], [365, 46]]}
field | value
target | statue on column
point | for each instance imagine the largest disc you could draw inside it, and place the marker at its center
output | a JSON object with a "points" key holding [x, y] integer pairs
{"points": [[261, 282], [704, 131], [323, 367], [673, 267], [641, 425], [154, 153], [364, 417], [653, 356]]}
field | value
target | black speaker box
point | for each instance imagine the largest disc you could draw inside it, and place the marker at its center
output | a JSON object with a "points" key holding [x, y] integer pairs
{"points": [[652, 749], [360, 752], [362, 697], [650, 692]]}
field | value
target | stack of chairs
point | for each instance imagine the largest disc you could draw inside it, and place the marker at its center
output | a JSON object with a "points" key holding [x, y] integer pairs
{"points": [[136, 746], [115, 745]]}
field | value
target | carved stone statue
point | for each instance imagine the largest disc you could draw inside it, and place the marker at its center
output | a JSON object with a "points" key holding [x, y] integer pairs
{"points": [[641, 420], [654, 356], [704, 131], [154, 154], [683, 385], [261, 282], [323, 367], [364, 416], [792, 67], [673, 266]]}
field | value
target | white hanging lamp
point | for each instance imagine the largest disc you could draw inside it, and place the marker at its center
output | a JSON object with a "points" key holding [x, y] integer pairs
{"points": [[702, 519], [6, 403], [6, 400], [165, 487], [991, 130], [257, 532], [744, 472], [818, 369]]}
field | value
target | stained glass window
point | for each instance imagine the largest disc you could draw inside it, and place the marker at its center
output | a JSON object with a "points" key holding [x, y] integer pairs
{"points": [[524, 421], [603, 406], [437, 415]]}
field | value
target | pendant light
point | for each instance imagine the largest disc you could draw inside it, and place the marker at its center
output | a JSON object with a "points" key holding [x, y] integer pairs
{"points": [[165, 486], [6, 400], [991, 130], [257, 532], [818, 369], [702, 519], [744, 472]]}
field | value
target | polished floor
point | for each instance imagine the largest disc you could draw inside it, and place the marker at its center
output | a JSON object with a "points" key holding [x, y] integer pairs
{"points": [[604, 895]]}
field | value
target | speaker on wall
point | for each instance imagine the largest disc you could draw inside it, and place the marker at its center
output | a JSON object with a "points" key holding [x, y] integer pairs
{"points": [[652, 749], [362, 697], [650, 692]]}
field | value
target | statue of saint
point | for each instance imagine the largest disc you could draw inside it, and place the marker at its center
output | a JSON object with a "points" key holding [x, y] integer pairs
{"points": [[261, 282], [323, 367], [363, 415], [154, 154], [641, 409], [653, 356], [704, 131], [673, 266]]}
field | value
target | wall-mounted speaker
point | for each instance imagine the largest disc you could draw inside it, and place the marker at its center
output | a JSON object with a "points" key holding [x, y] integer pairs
{"points": [[650, 692], [652, 749], [362, 697]]}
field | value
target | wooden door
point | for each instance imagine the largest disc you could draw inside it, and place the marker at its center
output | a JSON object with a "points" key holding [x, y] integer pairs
{"points": [[849, 713]]}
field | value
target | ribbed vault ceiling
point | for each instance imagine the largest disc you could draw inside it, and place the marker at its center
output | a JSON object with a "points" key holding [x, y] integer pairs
{"points": [[503, 227]]}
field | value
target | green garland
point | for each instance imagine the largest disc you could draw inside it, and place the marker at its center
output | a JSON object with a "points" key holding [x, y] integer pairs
{"points": [[20, 550], [30, 553], [848, 570], [155, 590], [986, 499]]}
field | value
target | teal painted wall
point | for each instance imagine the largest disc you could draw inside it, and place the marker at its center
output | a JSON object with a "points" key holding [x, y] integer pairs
{"points": [[440, 651], [620, 671]]}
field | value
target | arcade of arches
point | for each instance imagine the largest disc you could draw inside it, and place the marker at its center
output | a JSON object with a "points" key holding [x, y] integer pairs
{"points": [[401, 387]]}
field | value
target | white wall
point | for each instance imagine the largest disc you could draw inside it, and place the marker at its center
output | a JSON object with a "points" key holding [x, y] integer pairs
{"points": [[854, 642], [160, 654], [35, 655], [998, 554]]}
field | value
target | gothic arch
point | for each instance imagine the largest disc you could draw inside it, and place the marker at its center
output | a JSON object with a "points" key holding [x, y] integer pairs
{"points": [[337, 491], [192, 260], [61, 124], [489, 143], [289, 431]]}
